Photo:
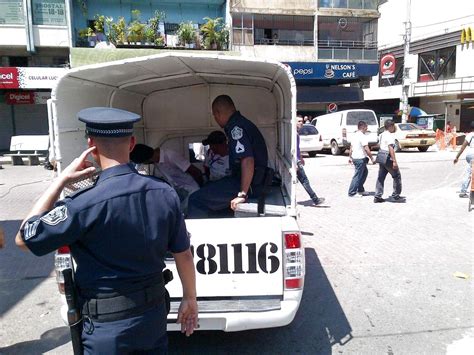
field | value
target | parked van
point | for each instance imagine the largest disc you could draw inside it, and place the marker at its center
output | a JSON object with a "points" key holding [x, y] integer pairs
{"points": [[337, 128], [250, 267]]}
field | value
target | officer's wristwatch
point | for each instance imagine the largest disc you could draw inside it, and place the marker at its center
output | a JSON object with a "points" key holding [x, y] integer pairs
{"points": [[242, 194]]}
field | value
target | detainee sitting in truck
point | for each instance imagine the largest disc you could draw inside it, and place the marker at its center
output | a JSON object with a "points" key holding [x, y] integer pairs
{"points": [[248, 160], [216, 162]]}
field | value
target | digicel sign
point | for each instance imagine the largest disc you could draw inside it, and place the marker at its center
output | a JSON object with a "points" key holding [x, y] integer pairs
{"points": [[9, 78], [20, 98]]}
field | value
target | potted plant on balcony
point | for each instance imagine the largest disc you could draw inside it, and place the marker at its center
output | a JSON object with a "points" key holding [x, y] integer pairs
{"points": [[99, 27], [212, 31], [86, 37], [118, 31], [149, 35], [136, 28], [186, 33]]}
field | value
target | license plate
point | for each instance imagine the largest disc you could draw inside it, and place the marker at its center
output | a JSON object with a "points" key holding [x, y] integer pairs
{"points": [[423, 141]]}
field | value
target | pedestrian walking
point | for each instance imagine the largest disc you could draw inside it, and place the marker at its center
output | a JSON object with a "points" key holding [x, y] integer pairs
{"points": [[119, 231], [300, 173], [359, 154], [388, 165], [469, 144]]}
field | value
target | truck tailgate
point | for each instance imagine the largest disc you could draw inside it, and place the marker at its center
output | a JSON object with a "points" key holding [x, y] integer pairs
{"points": [[234, 257]]}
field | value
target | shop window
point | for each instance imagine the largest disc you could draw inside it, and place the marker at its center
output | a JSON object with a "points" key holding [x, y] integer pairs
{"points": [[18, 61], [396, 78], [437, 65], [49, 12], [11, 12], [242, 29]]}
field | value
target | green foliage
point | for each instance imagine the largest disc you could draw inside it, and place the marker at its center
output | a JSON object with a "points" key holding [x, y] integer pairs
{"points": [[160, 41], [85, 32], [154, 21], [149, 35], [216, 35], [135, 28], [186, 32], [99, 23]]}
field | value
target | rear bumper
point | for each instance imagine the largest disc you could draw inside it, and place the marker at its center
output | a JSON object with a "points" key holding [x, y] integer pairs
{"points": [[419, 142], [239, 321], [311, 148]]}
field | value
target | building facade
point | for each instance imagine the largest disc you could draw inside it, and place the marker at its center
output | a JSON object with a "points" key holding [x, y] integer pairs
{"points": [[330, 45], [439, 68]]}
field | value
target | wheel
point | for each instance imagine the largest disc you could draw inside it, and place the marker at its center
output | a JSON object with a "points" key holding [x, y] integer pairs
{"points": [[335, 150], [398, 148], [423, 149], [312, 154]]}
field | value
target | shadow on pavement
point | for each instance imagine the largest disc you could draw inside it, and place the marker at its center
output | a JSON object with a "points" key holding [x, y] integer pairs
{"points": [[319, 324], [49, 340], [17, 266], [310, 203]]}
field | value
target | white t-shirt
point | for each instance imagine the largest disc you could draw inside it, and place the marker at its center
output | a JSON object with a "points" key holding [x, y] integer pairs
{"points": [[358, 141], [172, 167], [386, 139], [470, 143], [218, 165]]}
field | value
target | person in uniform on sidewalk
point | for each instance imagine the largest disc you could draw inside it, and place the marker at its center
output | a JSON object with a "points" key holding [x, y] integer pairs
{"points": [[300, 173], [469, 144], [359, 154], [388, 165], [119, 239], [248, 159]]}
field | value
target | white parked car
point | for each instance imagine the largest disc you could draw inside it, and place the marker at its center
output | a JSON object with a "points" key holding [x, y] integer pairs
{"points": [[409, 135], [310, 140]]}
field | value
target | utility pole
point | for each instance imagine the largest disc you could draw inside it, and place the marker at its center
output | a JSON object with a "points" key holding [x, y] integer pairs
{"points": [[406, 69]]}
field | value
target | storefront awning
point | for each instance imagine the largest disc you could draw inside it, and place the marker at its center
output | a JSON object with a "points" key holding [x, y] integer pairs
{"points": [[337, 94]]}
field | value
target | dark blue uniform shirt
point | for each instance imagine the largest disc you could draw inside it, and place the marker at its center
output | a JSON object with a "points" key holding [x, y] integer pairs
{"points": [[119, 230], [245, 140]]}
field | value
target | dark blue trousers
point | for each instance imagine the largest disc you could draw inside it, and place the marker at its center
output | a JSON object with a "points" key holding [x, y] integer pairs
{"points": [[144, 334]]}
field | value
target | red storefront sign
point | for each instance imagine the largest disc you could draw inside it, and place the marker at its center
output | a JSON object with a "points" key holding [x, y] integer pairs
{"points": [[9, 78], [20, 98]]}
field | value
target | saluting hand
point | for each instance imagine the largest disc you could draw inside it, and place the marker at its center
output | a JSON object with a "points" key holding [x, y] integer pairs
{"points": [[188, 315], [79, 168]]}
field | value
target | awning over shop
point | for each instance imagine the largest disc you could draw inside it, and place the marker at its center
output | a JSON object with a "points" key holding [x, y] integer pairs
{"points": [[337, 94]]}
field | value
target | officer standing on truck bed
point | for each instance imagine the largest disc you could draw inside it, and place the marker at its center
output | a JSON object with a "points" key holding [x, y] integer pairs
{"points": [[248, 160], [119, 231]]}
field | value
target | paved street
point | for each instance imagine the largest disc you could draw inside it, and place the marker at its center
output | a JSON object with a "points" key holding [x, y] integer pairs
{"points": [[381, 278]]}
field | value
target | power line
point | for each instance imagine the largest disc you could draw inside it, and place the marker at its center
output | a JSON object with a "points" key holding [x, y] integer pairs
{"points": [[438, 23]]}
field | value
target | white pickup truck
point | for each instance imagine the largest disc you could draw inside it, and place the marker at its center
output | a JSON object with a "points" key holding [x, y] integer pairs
{"points": [[250, 268]]}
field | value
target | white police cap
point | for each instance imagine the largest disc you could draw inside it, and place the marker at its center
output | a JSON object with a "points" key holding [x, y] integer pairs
{"points": [[108, 121]]}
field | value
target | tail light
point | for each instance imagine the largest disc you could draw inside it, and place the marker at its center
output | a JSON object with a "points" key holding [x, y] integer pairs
{"points": [[293, 261], [62, 260], [344, 133]]}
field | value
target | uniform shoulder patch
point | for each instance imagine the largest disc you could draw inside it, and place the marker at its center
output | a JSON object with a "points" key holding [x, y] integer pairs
{"points": [[239, 148], [30, 229], [55, 216], [237, 133]]}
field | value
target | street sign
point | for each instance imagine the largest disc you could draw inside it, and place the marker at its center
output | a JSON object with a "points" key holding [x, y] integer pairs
{"points": [[332, 107]]}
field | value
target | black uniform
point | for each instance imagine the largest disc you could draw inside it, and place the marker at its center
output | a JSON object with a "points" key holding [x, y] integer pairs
{"points": [[245, 140], [119, 231]]}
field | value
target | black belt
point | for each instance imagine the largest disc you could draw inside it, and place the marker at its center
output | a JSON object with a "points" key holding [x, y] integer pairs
{"points": [[124, 306]]}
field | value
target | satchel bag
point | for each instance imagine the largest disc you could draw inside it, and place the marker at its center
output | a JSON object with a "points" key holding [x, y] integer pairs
{"points": [[382, 157]]}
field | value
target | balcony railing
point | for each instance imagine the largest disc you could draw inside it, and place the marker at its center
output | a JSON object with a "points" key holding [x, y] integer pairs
{"points": [[350, 4], [347, 53], [284, 42], [347, 44]]}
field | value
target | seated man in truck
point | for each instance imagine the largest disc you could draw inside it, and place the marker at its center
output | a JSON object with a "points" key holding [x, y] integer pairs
{"points": [[170, 166], [216, 162], [248, 159]]}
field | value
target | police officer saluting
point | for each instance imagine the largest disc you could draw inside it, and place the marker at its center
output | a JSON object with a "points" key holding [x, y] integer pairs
{"points": [[248, 159], [119, 231]]}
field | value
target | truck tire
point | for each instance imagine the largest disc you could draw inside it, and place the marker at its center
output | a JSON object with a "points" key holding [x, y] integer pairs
{"points": [[423, 149], [312, 154], [398, 148], [335, 150]]}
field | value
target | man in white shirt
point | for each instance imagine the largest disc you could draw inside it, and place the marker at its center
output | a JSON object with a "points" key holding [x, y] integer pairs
{"points": [[389, 165], [170, 166], [216, 163], [359, 155]]}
